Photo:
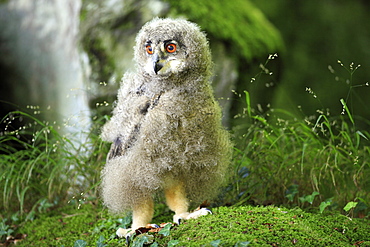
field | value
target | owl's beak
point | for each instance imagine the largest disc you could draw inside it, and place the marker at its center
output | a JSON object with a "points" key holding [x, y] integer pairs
{"points": [[157, 65]]}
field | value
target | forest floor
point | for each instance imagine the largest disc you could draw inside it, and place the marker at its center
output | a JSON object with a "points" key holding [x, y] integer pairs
{"points": [[90, 225]]}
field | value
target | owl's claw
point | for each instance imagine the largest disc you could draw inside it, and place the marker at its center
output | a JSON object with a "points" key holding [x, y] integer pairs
{"points": [[178, 218], [179, 221], [128, 240], [198, 213], [124, 233]]}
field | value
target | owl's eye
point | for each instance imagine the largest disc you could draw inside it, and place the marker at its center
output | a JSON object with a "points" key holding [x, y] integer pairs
{"points": [[149, 49], [171, 48]]}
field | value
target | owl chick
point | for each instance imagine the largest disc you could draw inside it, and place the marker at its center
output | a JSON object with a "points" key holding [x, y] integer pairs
{"points": [[166, 129]]}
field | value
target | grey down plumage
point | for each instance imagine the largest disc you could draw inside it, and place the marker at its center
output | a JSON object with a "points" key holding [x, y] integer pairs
{"points": [[166, 125]]}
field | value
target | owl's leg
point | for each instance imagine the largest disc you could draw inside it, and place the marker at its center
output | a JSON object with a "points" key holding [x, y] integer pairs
{"points": [[177, 202], [142, 214]]}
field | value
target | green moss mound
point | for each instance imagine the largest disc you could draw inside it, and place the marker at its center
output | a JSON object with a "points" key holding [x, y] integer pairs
{"points": [[271, 226], [238, 23], [227, 226]]}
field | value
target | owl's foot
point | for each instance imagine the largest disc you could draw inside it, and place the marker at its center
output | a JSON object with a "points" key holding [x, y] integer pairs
{"points": [[177, 218], [121, 232], [125, 233], [128, 233]]}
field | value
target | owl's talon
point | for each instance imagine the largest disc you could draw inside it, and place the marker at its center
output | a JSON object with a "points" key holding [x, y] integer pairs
{"points": [[128, 240], [126, 233], [208, 210], [177, 220]]}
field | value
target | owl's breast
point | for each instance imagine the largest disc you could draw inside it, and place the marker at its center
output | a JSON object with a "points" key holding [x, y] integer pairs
{"points": [[178, 124]]}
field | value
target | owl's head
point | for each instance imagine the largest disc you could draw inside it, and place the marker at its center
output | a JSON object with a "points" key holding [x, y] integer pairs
{"points": [[167, 47]]}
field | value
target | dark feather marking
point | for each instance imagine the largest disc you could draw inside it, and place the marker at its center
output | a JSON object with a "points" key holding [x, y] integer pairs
{"points": [[144, 110], [140, 90], [156, 99], [119, 148]]}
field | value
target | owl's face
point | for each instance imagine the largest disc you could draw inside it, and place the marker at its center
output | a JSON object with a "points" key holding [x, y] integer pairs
{"points": [[169, 47], [164, 57]]}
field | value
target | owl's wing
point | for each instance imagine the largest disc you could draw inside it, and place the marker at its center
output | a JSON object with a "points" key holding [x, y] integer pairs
{"points": [[121, 144], [130, 111], [123, 128]]}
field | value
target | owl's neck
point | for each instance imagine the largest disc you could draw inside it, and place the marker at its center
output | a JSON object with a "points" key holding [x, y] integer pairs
{"points": [[188, 82]]}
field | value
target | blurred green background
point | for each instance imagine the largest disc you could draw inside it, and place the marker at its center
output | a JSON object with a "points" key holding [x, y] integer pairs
{"points": [[317, 34]]}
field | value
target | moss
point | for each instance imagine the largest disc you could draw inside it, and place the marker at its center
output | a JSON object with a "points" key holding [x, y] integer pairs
{"points": [[271, 226], [237, 23], [62, 228], [262, 226]]}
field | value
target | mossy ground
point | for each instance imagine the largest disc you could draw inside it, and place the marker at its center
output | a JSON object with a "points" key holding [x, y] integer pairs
{"points": [[228, 226]]}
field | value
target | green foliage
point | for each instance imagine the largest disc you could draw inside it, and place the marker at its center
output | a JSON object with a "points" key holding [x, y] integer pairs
{"points": [[41, 169], [5, 230], [326, 156], [227, 226], [242, 244], [172, 243], [343, 30], [270, 226], [309, 198], [100, 242], [307, 160], [215, 243], [349, 206], [238, 23], [325, 204], [166, 230], [291, 192], [142, 240], [80, 243]]}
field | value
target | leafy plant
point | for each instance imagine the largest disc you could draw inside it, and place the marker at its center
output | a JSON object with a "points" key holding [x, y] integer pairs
{"points": [[325, 204], [309, 198], [42, 168], [215, 243], [291, 192], [293, 161], [5, 230], [80, 243], [166, 230], [349, 206]]}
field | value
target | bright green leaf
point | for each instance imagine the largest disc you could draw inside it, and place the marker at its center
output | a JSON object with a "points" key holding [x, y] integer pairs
{"points": [[350, 205], [215, 243], [166, 230], [80, 243], [172, 243], [324, 205], [242, 244]]}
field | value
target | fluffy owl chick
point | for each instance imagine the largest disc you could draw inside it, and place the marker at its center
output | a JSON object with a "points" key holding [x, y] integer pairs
{"points": [[166, 129]]}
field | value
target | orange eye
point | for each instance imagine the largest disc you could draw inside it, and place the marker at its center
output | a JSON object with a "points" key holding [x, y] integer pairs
{"points": [[171, 48], [149, 49]]}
